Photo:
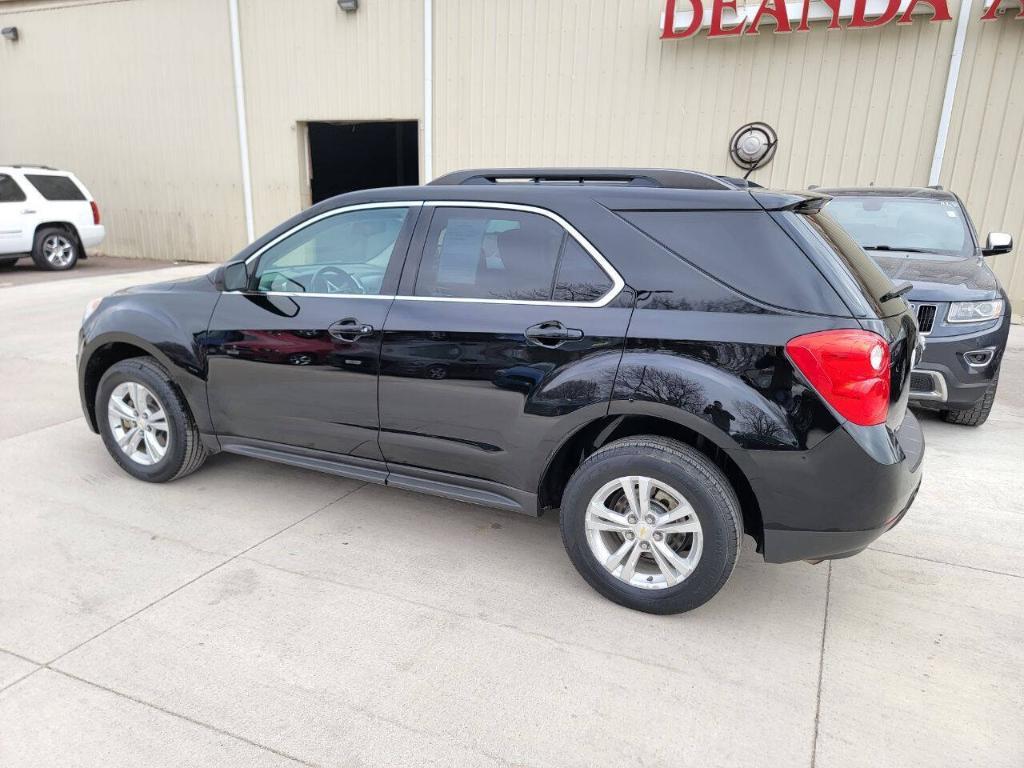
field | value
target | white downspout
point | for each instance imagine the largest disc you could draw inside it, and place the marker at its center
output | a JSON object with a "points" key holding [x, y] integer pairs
{"points": [[428, 91], [243, 134], [947, 100]]}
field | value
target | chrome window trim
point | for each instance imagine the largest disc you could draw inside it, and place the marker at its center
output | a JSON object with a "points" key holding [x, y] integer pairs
{"points": [[326, 215], [617, 282]]}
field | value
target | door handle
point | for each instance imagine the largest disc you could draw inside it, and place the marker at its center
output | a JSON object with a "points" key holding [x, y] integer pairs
{"points": [[552, 333], [349, 329], [27, 212]]}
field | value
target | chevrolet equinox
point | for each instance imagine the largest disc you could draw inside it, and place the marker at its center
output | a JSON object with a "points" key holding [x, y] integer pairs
{"points": [[668, 359]]}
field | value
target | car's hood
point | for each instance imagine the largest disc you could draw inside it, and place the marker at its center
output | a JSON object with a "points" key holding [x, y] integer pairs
{"points": [[939, 278], [201, 283]]}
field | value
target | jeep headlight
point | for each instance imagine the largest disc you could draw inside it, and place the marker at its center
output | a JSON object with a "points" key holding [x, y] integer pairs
{"points": [[974, 311], [91, 307]]}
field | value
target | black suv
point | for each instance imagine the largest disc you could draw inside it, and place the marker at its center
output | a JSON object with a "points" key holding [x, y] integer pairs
{"points": [[668, 358], [924, 236]]}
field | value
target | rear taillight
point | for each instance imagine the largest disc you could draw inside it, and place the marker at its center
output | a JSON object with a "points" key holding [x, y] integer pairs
{"points": [[95, 212], [849, 368]]}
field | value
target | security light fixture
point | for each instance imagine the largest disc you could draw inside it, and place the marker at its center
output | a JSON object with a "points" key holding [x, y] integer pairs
{"points": [[11, 33], [349, 6]]}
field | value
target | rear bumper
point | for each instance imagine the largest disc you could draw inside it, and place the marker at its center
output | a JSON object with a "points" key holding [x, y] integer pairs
{"points": [[835, 499], [92, 236], [946, 378]]}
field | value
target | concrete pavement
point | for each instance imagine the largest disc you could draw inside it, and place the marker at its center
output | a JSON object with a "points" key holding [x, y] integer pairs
{"points": [[256, 614]]}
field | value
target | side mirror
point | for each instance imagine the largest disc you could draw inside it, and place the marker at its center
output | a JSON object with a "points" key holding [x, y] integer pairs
{"points": [[236, 276], [997, 242]]}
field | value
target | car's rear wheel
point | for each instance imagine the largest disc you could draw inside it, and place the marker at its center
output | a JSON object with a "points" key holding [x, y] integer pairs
{"points": [[6, 263], [978, 415], [652, 524], [145, 422], [55, 249]]}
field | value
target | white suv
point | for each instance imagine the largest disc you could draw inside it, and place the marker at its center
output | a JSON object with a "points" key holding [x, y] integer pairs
{"points": [[46, 214]]}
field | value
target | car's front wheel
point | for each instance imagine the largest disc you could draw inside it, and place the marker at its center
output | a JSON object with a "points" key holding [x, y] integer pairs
{"points": [[145, 422], [55, 249], [652, 524], [978, 414]]}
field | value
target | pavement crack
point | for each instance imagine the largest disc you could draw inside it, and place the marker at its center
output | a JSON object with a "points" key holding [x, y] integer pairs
{"points": [[186, 718], [821, 666], [944, 562], [205, 573]]}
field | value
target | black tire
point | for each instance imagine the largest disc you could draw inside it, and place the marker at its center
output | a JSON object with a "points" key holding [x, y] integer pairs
{"points": [[692, 474], [978, 415], [185, 452], [68, 242], [6, 263]]}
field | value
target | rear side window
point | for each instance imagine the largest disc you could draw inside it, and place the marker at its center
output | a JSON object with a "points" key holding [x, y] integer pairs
{"points": [[747, 251], [833, 242], [57, 188], [10, 192], [480, 253]]}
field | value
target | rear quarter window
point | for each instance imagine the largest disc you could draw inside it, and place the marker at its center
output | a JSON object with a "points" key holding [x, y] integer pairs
{"points": [[56, 188], [747, 251]]}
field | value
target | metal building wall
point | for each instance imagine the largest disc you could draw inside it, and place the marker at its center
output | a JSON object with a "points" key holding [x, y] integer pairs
{"points": [[136, 98], [308, 61], [563, 82], [984, 160], [145, 90]]}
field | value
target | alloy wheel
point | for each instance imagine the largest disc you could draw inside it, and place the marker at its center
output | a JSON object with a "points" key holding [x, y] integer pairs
{"points": [[138, 423], [58, 250], [644, 532]]}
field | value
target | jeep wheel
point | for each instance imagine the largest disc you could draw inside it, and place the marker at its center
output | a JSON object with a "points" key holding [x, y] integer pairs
{"points": [[145, 423], [651, 524], [978, 415], [55, 249], [5, 262]]}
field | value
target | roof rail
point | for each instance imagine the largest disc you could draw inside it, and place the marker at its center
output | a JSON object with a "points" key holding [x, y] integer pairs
{"points": [[28, 165], [632, 177]]}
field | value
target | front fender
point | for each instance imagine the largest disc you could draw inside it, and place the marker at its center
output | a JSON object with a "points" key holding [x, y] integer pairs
{"points": [[168, 326]]}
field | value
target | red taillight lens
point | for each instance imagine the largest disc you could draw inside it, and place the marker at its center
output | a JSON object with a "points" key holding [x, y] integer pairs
{"points": [[95, 212], [850, 369]]}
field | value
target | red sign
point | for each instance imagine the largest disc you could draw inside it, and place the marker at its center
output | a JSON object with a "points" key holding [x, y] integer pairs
{"points": [[742, 22]]}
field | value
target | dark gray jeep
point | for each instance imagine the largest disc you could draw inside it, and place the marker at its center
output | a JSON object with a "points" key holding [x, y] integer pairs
{"points": [[924, 237]]}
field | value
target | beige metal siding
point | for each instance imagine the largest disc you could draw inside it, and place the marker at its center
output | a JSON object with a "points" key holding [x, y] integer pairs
{"points": [[985, 153], [136, 98], [589, 81], [307, 61]]}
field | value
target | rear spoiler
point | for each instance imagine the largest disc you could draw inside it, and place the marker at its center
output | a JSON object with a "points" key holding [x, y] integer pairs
{"points": [[798, 202]]}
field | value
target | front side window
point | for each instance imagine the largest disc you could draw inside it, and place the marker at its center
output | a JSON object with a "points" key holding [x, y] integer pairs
{"points": [[906, 224], [10, 192], [504, 254], [347, 253], [55, 188]]}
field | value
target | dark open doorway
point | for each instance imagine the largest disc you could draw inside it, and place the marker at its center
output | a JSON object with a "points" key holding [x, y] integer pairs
{"points": [[347, 156]]}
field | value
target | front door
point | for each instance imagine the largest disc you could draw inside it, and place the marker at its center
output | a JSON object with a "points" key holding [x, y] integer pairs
{"points": [[508, 327], [293, 360]]}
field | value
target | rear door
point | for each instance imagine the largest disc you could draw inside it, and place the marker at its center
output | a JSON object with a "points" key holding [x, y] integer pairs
{"points": [[293, 359], [508, 329]]}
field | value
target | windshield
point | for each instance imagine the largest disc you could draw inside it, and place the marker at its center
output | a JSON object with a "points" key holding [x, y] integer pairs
{"points": [[904, 224]]}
